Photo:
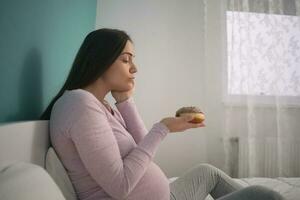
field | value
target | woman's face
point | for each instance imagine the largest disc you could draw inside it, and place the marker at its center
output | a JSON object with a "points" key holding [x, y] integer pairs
{"points": [[120, 75]]}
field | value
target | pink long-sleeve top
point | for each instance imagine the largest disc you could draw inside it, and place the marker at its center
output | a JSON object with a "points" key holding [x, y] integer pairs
{"points": [[107, 155]]}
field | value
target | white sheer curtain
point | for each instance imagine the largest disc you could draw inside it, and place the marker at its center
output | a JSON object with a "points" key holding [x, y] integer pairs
{"points": [[262, 88]]}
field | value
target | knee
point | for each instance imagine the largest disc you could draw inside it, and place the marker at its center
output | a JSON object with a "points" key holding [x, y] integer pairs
{"points": [[205, 168], [261, 192]]}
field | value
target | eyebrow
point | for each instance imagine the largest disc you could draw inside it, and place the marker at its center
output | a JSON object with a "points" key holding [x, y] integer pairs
{"points": [[128, 54]]}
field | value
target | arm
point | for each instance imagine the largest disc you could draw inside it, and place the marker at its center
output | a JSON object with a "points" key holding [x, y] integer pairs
{"points": [[99, 151], [132, 118]]}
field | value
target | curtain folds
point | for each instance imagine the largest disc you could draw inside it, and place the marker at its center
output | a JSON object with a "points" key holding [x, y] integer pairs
{"points": [[261, 125]]}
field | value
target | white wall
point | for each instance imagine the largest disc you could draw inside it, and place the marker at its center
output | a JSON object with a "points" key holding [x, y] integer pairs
{"points": [[169, 41], [180, 48]]}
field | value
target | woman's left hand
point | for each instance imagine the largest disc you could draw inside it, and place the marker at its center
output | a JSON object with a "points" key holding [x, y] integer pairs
{"points": [[122, 96]]}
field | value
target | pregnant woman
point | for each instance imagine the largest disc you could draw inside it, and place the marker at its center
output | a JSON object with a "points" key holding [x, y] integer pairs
{"points": [[107, 152]]}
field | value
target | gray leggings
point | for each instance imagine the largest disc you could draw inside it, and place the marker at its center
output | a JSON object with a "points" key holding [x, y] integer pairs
{"points": [[205, 179]]}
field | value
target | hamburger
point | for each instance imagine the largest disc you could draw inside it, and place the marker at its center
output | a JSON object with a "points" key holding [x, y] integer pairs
{"points": [[198, 115]]}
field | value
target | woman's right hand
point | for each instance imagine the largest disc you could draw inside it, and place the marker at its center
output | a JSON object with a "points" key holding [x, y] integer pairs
{"points": [[179, 124]]}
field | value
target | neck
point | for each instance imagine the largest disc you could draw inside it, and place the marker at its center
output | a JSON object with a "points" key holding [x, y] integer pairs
{"points": [[99, 90]]}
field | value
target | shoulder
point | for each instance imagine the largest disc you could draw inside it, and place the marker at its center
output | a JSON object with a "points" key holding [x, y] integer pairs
{"points": [[74, 104], [78, 99]]}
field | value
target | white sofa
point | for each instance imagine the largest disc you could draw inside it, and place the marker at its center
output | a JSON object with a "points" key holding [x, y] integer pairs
{"points": [[29, 167], [23, 147], [30, 170]]}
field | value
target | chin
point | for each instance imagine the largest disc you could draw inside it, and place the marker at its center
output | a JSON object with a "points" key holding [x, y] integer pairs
{"points": [[124, 89], [129, 86]]}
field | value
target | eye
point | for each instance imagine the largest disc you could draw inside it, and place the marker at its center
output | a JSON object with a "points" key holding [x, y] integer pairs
{"points": [[126, 61]]}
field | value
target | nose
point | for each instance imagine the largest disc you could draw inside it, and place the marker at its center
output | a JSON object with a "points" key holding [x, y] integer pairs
{"points": [[133, 68]]}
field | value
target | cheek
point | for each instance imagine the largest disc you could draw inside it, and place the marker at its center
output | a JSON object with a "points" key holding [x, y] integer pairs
{"points": [[118, 77], [121, 81]]}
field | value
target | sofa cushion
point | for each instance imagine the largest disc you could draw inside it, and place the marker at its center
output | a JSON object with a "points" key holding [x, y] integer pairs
{"points": [[26, 181], [57, 171]]}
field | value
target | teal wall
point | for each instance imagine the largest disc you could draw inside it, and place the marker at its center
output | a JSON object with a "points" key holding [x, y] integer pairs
{"points": [[38, 42]]}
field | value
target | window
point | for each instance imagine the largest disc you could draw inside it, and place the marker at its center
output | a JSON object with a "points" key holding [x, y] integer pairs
{"points": [[263, 56]]}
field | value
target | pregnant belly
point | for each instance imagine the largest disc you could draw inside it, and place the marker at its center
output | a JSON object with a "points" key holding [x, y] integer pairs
{"points": [[154, 185]]}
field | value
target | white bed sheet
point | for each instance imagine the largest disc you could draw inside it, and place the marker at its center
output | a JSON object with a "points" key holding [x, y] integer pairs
{"points": [[289, 188]]}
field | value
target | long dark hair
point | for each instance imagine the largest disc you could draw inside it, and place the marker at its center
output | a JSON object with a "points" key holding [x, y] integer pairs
{"points": [[97, 53]]}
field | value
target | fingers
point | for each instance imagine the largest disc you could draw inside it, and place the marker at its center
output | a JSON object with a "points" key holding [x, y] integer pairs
{"points": [[197, 125]]}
